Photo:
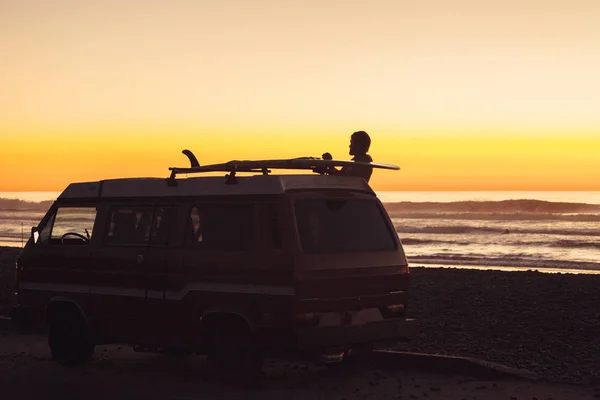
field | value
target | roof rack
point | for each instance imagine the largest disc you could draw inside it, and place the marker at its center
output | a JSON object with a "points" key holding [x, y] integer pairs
{"points": [[317, 165]]}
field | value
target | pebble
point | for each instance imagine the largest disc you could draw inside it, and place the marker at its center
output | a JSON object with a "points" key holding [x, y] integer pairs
{"points": [[546, 332]]}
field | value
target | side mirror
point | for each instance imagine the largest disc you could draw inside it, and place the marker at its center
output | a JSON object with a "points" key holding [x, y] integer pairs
{"points": [[35, 234]]}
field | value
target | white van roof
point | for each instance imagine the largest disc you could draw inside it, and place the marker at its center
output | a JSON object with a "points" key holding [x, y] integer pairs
{"points": [[211, 186]]}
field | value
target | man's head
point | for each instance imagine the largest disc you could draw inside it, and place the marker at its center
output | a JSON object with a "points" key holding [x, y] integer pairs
{"points": [[359, 143]]}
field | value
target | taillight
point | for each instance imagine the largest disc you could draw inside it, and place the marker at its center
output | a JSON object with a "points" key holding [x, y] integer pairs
{"points": [[307, 319], [396, 308], [392, 311]]}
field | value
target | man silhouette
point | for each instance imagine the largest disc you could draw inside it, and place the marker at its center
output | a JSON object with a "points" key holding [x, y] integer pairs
{"points": [[359, 146]]}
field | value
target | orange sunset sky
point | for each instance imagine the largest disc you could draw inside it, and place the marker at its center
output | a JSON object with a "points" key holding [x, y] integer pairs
{"points": [[462, 95]]}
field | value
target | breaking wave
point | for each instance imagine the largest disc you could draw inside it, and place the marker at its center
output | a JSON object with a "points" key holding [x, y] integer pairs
{"points": [[516, 207], [568, 244], [519, 208], [22, 205], [498, 216], [449, 230], [32, 218], [502, 261]]}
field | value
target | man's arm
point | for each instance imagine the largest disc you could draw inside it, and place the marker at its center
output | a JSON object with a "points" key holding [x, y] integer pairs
{"points": [[330, 170], [354, 170]]}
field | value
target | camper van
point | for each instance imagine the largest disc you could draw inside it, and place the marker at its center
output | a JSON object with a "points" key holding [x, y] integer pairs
{"points": [[236, 267]]}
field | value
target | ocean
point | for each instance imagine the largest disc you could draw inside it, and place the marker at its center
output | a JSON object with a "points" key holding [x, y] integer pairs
{"points": [[547, 231]]}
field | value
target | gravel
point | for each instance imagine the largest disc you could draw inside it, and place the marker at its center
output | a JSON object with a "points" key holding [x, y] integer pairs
{"points": [[546, 323]]}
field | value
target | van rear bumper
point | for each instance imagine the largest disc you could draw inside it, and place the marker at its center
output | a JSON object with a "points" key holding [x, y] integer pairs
{"points": [[371, 333]]}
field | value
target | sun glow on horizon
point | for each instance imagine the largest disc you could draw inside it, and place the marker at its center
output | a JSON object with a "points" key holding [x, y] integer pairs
{"points": [[462, 95]]}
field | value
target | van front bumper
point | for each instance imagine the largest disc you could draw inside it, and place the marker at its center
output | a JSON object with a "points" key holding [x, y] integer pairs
{"points": [[371, 333]]}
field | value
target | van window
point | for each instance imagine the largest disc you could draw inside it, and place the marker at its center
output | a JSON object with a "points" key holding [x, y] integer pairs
{"points": [[274, 227], [342, 226], [226, 227], [129, 225], [47, 230], [69, 225], [163, 223]]}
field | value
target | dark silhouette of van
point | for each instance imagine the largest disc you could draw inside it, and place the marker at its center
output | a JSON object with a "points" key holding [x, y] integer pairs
{"points": [[266, 265]]}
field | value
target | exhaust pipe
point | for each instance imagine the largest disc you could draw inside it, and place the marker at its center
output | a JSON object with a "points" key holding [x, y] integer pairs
{"points": [[335, 357]]}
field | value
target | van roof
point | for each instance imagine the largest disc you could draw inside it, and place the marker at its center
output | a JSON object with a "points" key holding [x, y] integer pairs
{"points": [[211, 186]]}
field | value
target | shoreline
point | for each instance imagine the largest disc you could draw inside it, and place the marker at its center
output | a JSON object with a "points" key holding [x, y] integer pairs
{"points": [[448, 265], [451, 265]]}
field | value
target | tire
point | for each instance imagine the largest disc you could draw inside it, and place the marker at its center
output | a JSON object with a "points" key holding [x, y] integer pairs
{"points": [[234, 352], [69, 338]]}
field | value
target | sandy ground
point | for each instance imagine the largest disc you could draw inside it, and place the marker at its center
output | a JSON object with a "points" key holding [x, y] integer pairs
{"points": [[545, 323], [116, 372]]}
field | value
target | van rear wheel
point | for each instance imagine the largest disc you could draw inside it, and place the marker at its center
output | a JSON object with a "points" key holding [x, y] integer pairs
{"points": [[235, 353], [69, 338]]}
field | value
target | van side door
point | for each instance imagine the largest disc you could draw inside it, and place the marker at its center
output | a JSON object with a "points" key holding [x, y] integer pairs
{"points": [[164, 249], [117, 272]]}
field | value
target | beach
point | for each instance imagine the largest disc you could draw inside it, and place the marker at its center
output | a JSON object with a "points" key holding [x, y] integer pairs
{"points": [[116, 372], [545, 323]]}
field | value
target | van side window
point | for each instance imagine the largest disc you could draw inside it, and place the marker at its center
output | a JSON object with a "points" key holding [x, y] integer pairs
{"points": [[129, 225], [70, 225], [274, 229], [162, 226], [47, 230], [226, 227]]}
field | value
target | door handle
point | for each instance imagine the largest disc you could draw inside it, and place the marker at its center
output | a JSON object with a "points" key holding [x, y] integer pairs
{"points": [[139, 259]]}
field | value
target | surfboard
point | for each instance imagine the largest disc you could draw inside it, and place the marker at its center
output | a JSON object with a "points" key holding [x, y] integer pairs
{"points": [[302, 163]]}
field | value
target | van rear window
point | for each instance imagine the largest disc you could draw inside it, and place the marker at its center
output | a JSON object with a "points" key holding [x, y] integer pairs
{"points": [[342, 226]]}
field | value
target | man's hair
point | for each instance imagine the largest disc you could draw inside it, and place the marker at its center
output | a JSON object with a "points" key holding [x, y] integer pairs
{"points": [[362, 139]]}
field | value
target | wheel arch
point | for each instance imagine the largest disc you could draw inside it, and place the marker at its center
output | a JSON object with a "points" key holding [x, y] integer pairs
{"points": [[61, 303]]}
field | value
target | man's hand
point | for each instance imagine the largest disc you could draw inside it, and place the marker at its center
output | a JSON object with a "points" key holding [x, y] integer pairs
{"points": [[319, 170], [323, 170]]}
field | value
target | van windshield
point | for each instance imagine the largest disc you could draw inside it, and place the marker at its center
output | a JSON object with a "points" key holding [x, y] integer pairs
{"points": [[342, 226]]}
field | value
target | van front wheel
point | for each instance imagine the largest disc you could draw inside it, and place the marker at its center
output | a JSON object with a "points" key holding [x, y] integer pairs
{"points": [[69, 340]]}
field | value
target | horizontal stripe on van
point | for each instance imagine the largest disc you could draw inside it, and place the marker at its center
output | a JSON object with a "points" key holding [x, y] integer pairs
{"points": [[158, 294]]}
